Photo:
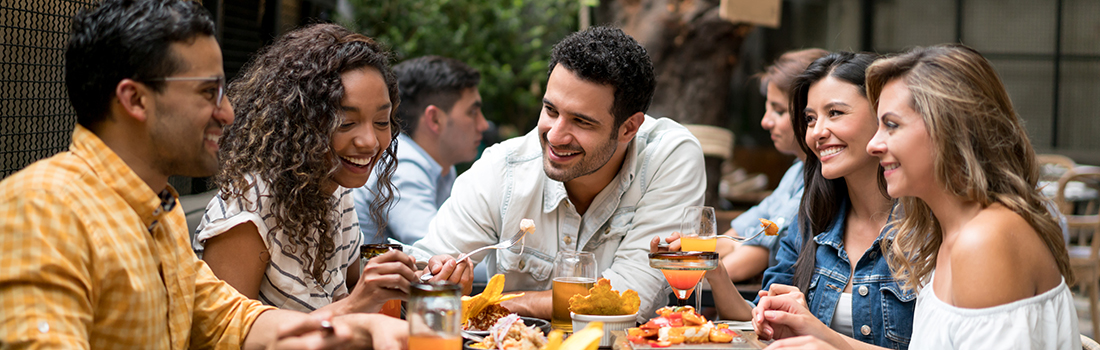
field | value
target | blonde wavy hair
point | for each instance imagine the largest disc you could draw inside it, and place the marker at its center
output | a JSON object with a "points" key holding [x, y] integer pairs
{"points": [[982, 152]]}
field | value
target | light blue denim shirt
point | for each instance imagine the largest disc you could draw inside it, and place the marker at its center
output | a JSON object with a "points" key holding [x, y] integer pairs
{"points": [[662, 173], [780, 207], [882, 313], [421, 190]]}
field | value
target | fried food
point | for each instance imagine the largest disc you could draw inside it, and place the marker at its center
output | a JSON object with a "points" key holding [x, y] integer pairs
{"points": [[680, 325], [602, 300], [486, 318], [770, 228], [527, 225], [472, 306]]}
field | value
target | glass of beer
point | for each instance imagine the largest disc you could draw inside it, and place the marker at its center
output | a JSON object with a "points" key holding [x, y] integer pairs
{"points": [[574, 273], [391, 308], [698, 233], [435, 316]]}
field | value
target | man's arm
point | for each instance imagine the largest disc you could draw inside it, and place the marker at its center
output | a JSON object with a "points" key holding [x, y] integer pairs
{"points": [[469, 219], [44, 277]]}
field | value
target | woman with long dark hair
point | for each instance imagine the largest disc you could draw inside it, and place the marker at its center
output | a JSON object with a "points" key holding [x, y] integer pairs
{"points": [[830, 259]]}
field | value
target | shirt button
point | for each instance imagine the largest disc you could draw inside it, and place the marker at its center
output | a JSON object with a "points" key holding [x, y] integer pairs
{"points": [[863, 290], [522, 263], [866, 330], [568, 240]]}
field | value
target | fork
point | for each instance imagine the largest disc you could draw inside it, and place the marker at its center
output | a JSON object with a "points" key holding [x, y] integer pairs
{"points": [[664, 244], [502, 245]]}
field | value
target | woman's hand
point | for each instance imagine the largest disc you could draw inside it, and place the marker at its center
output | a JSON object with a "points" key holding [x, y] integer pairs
{"points": [[385, 277], [777, 289], [782, 316], [673, 241]]}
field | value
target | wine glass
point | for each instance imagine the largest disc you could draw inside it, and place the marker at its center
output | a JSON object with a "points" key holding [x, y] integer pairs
{"points": [[683, 270], [698, 229], [698, 232], [574, 273]]}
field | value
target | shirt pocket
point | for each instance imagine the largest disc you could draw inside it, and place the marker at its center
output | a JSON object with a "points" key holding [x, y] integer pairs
{"points": [[616, 229], [898, 308], [532, 262]]}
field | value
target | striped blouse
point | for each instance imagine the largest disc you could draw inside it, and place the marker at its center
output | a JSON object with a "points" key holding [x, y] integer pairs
{"points": [[286, 283]]}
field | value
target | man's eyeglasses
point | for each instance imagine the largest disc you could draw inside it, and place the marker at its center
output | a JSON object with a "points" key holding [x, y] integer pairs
{"points": [[216, 96]]}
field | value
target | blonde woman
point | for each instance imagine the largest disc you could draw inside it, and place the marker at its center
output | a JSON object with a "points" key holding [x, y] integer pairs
{"points": [[976, 239]]}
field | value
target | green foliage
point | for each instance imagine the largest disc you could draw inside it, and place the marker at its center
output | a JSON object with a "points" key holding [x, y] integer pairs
{"points": [[509, 41]]}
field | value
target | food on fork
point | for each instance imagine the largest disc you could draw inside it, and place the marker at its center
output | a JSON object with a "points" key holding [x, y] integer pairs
{"points": [[486, 303], [680, 325], [527, 225], [770, 228], [602, 300]]}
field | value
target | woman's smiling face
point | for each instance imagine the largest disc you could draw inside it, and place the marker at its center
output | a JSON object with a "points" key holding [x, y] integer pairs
{"points": [[902, 143], [839, 124]]}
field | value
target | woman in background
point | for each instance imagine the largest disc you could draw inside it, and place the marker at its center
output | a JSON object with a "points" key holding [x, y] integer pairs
{"points": [[746, 260]]}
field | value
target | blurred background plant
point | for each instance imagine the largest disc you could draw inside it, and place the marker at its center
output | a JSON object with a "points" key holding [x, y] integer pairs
{"points": [[509, 41]]}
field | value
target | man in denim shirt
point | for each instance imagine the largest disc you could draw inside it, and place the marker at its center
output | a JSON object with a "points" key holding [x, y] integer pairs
{"points": [[597, 175], [442, 124]]}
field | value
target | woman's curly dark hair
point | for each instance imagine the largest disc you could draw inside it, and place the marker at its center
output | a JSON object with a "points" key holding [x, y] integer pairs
{"points": [[287, 101]]}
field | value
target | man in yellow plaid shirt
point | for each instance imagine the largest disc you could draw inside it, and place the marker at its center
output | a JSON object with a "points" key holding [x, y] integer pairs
{"points": [[94, 251]]}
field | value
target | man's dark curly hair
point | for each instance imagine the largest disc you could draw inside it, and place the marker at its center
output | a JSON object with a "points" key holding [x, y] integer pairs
{"points": [[608, 56], [288, 105], [126, 39], [431, 81]]}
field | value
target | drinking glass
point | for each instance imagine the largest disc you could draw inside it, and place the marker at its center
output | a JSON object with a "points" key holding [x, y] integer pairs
{"points": [[391, 308], [574, 273], [699, 233], [435, 316]]}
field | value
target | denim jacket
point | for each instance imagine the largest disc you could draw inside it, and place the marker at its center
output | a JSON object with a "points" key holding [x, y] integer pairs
{"points": [[660, 175], [882, 313]]}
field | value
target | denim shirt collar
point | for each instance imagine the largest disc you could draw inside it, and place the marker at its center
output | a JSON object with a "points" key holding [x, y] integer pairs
{"points": [[834, 236]]}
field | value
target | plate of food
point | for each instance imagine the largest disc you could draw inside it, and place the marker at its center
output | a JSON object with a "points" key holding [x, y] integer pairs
{"points": [[680, 327], [510, 334]]}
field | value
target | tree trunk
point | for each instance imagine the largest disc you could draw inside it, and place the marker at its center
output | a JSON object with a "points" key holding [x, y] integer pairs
{"points": [[694, 53]]}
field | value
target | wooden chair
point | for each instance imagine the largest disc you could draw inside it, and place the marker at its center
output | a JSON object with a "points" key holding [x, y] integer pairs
{"points": [[1054, 165], [1083, 222], [1089, 344]]}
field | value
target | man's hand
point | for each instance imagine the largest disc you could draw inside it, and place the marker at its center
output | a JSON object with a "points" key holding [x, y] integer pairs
{"points": [[446, 268], [673, 241]]}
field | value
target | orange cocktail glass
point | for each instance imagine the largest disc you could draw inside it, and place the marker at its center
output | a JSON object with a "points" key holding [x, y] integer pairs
{"points": [[683, 270]]}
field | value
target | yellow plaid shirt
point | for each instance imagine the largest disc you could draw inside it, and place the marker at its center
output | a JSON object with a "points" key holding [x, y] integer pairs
{"points": [[89, 258]]}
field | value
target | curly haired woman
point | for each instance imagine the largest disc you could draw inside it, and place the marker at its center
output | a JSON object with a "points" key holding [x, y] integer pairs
{"points": [[315, 115], [976, 236]]}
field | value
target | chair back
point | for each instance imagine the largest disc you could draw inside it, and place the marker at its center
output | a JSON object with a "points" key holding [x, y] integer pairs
{"points": [[716, 142], [1077, 199], [1053, 166], [1089, 344]]}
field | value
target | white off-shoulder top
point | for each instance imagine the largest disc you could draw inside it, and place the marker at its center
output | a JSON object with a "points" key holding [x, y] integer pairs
{"points": [[1044, 321]]}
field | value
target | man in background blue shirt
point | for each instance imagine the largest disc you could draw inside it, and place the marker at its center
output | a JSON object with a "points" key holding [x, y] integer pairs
{"points": [[441, 119]]}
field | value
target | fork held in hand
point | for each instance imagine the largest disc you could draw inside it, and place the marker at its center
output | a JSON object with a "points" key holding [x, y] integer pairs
{"points": [[502, 245]]}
